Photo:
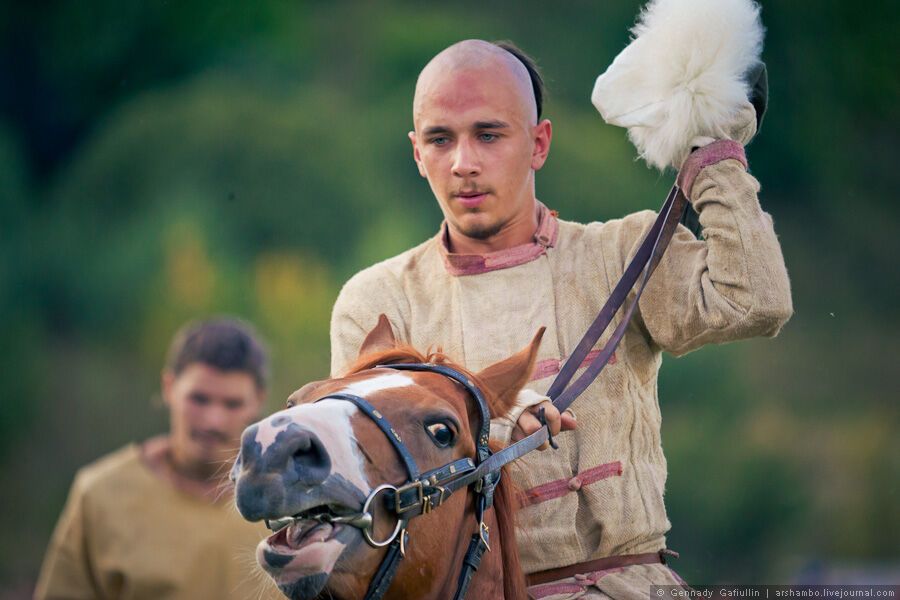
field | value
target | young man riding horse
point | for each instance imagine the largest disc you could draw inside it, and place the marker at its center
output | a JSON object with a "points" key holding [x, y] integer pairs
{"points": [[503, 264]]}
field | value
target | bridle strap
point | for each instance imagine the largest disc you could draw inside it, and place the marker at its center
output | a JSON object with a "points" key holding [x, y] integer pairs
{"points": [[477, 547], [645, 260], [361, 403], [481, 440], [383, 577]]}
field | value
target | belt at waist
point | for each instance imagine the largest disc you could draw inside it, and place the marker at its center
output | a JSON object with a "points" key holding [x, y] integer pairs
{"points": [[599, 564]]}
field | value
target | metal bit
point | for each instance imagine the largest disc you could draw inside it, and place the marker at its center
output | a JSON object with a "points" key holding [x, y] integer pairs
{"points": [[359, 520]]}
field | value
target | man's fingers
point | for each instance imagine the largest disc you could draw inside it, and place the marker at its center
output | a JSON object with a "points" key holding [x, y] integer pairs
{"points": [[551, 413], [527, 424]]}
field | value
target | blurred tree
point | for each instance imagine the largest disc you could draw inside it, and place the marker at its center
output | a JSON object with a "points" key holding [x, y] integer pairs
{"points": [[163, 160]]}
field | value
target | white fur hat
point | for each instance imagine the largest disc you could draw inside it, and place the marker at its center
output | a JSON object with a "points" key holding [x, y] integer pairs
{"points": [[683, 75]]}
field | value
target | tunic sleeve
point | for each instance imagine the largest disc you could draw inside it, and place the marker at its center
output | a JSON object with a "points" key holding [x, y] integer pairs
{"points": [[66, 571], [729, 285]]}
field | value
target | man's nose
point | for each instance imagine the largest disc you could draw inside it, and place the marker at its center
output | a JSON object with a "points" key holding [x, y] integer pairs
{"points": [[466, 160], [215, 417]]}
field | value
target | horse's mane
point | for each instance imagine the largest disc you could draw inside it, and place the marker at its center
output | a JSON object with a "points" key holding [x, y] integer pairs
{"points": [[505, 498], [406, 354]]}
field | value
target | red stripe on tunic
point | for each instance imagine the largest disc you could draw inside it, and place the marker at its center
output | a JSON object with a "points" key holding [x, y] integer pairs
{"points": [[561, 487], [551, 366]]}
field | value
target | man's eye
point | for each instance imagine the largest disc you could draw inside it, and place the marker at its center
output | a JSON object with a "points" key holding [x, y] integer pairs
{"points": [[488, 137], [439, 141], [199, 399], [441, 434]]}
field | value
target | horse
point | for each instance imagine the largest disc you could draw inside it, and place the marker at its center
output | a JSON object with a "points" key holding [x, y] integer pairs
{"points": [[317, 470]]}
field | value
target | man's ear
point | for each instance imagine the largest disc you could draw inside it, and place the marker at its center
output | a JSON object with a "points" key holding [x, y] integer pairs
{"points": [[506, 378], [543, 133], [416, 155], [166, 381], [380, 338]]}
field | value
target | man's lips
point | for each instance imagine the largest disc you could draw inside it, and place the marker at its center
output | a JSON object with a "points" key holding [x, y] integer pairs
{"points": [[209, 438], [471, 199]]}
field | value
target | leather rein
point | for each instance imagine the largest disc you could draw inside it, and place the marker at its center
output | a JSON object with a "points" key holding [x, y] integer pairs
{"points": [[424, 492]]}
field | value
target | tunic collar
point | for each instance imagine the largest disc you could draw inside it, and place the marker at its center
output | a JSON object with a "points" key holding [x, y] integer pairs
{"points": [[473, 264]]}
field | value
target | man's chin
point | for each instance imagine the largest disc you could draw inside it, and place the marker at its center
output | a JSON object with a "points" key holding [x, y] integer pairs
{"points": [[210, 460], [476, 228]]}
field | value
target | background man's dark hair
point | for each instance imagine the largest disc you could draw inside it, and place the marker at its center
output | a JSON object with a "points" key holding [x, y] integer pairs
{"points": [[537, 82], [227, 344]]}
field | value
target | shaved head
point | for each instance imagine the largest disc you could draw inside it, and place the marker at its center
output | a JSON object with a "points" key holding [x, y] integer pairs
{"points": [[480, 58]]}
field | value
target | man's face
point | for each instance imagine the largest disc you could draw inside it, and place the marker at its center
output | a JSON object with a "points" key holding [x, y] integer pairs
{"points": [[477, 143], [208, 411]]}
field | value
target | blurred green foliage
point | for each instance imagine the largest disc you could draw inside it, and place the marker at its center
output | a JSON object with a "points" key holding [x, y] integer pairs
{"points": [[164, 160]]}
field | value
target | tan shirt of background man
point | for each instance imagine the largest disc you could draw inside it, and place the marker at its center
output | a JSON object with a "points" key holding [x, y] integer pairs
{"points": [[157, 520]]}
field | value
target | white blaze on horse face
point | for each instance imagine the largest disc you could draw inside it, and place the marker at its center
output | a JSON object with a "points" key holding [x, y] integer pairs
{"points": [[376, 384], [330, 420]]}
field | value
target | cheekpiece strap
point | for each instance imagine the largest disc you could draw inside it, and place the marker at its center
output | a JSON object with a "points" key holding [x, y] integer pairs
{"points": [[478, 545], [411, 468], [381, 582]]}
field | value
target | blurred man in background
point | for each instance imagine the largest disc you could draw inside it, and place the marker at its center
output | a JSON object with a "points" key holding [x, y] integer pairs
{"points": [[155, 520]]}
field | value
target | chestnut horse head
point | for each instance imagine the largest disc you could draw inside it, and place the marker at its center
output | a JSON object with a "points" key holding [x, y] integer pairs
{"points": [[325, 472]]}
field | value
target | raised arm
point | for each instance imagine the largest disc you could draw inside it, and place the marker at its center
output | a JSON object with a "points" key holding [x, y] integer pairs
{"points": [[731, 284]]}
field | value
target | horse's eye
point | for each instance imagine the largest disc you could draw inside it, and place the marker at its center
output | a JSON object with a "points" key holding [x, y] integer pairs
{"points": [[441, 434]]}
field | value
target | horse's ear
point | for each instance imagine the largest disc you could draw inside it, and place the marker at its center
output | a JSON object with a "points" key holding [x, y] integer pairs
{"points": [[380, 338], [506, 378]]}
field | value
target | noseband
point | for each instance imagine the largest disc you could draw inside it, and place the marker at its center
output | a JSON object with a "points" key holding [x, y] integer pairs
{"points": [[423, 492]]}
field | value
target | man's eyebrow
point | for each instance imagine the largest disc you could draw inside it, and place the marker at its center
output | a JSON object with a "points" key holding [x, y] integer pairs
{"points": [[491, 125], [435, 129]]}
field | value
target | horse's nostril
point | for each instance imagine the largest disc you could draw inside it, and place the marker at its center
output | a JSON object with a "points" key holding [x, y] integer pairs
{"points": [[304, 443], [311, 460]]}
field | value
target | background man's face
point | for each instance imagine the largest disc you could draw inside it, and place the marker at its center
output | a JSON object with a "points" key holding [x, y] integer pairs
{"points": [[208, 411], [474, 142]]}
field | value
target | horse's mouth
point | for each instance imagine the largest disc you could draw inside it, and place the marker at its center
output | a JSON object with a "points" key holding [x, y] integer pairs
{"points": [[305, 542], [316, 524], [301, 555], [302, 533]]}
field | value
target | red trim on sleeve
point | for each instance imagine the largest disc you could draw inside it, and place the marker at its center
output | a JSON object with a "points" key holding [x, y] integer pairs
{"points": [[708, 155]]}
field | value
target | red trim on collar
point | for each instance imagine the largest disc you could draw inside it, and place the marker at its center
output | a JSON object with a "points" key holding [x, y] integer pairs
{"points": [[545, 237]]}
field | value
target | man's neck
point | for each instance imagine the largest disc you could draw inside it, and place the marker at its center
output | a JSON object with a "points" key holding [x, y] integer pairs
{"points": [[199, 482], [517, 231]]}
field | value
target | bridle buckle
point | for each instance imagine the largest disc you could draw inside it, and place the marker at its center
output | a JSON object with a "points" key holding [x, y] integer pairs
{"points": [[484, 533], [420, 497]]}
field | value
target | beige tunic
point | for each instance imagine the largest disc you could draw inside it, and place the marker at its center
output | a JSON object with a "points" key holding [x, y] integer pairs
{"points": [[125, 533], [731, 285]]}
